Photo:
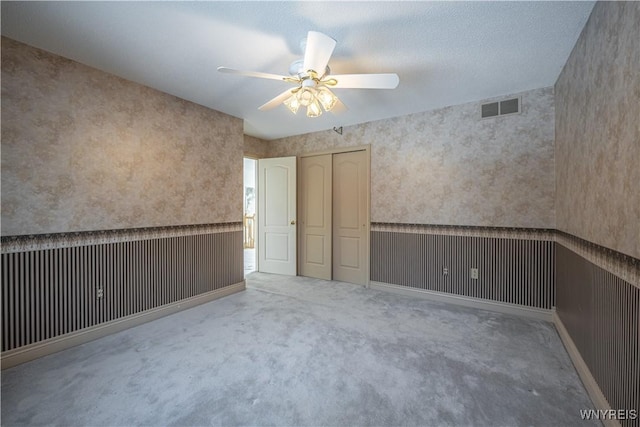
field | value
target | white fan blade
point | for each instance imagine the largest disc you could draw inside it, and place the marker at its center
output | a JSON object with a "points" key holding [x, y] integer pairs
{"points": [[252, 74], [338, 108], [317, 52], [364, 81], [276, 101]]}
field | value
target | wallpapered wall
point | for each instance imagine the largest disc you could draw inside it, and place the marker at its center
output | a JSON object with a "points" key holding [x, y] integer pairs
{"points": [[598, 131], [85, 150], [449, 166], [255, 147]]}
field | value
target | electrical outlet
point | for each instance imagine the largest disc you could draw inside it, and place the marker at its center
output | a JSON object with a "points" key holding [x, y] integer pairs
{"points": [[100, 293], [445, 271], [474, 273]]}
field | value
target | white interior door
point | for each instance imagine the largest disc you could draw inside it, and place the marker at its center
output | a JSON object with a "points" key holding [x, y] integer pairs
{"points": [[315, 216], [277, 215], [350, 217]]}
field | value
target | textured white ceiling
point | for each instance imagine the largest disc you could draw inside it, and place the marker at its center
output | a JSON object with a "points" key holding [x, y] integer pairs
{"points": [[445, 53]]}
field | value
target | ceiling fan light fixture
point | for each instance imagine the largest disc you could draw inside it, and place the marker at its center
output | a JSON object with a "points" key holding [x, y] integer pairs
{"points": [[306, 96], [292, 103], [326, 98], [313, 109], [312, 87]]}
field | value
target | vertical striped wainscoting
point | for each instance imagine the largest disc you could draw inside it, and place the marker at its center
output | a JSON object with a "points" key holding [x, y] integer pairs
{"points": [[58, 284], [601, 313], [515, 266]]}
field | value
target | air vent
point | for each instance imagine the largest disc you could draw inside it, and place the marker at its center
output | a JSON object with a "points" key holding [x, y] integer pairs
{"points": [[501, 108], [510, 106], [490, 110]]}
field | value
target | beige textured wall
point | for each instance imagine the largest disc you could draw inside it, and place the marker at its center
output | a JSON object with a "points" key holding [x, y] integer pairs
{"points": [[254, 147], [598, 131], [448, 166], [85, 150]]}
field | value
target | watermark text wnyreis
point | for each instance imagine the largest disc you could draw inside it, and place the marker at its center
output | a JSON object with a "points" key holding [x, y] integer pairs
{"points": [[608, 414]]}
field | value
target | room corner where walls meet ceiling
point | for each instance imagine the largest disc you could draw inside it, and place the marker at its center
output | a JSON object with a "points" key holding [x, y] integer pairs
{"points": [[445, 53]]}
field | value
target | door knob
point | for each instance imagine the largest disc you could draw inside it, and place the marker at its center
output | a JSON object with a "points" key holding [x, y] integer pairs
{"points": [[293, 222]]}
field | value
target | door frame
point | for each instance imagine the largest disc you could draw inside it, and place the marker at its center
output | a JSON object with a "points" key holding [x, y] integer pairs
{"points": [[252, 156], [338, 150]]}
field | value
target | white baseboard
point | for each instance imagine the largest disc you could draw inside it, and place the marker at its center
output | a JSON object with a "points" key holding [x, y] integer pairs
{"points": [[590, 384], [500, 307], [33, 351]]}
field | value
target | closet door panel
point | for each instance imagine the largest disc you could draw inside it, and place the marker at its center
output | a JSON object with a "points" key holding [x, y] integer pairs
{"points": [[350, 218], [315, 224]]}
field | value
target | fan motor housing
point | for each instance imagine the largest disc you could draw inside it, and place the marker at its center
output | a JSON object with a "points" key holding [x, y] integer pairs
{"points": [[297, 69]]}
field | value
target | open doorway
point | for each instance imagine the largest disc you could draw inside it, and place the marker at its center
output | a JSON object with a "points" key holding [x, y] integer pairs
{"points": [[249, 218]]}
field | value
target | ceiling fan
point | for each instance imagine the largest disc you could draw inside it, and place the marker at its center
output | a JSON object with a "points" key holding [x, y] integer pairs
{"points": [[313, 80]]}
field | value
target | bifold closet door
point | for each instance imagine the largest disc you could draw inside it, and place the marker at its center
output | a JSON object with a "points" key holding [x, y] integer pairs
{"points": [[350, 239], [315, 216]]}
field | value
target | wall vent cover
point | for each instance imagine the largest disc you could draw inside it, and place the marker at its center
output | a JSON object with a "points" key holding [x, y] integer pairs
{"points": [[500, 108], [490, 110]]}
